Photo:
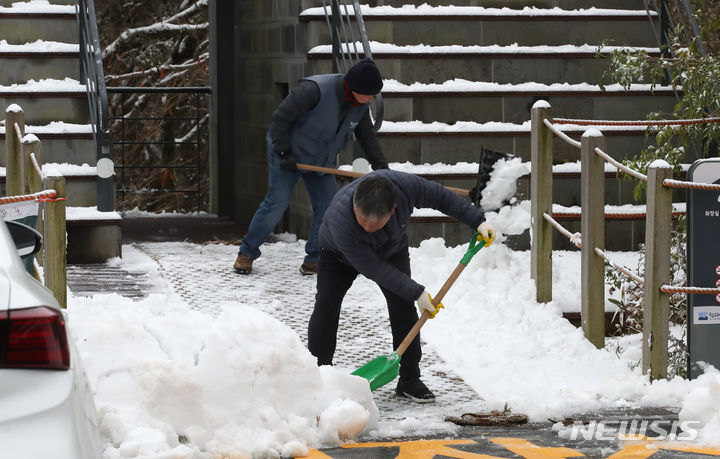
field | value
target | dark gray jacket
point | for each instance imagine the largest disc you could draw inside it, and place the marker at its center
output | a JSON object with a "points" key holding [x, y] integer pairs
{"points": [[316, 121], [368, 252]]}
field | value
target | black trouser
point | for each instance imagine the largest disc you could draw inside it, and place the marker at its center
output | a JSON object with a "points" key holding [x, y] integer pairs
{"points": [[334, 278]]}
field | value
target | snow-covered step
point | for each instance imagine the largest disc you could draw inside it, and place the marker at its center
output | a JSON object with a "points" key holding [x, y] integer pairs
{"points": [[38, 60], [419, 142], [61, 142], [492, 63], [48, 100], [93, 236], [568, 4], [37, 4], [475, 25], [24, 22], [478, 101]]}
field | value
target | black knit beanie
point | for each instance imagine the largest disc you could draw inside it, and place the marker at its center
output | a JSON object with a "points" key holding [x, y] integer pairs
{"points": [[364, 78]]}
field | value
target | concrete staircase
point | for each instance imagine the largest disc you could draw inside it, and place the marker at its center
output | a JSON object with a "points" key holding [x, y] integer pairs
{"points": [[479, 71], [41, 69]]}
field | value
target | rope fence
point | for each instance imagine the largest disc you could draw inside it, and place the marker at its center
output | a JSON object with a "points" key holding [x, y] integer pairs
{"points": [[639, 280], [575, 238], [670, 289], [39, 196], [18, 130], [688, 122], [560, 133], [37, 167], [671, 183], [620, 166], [658, 213], [613, 215]]}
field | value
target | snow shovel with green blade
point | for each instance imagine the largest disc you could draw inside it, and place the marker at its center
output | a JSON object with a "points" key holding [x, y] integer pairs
{"points": [[382, 370]]}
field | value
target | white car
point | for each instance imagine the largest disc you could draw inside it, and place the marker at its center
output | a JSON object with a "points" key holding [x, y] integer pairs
{"points": [[46, 407]]}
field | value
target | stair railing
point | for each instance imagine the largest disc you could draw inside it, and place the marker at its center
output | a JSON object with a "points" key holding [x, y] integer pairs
{"points": [[92, 75], [347, 29], [673, 13]]}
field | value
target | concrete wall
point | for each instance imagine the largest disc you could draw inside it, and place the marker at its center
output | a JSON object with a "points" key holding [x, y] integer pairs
{"points": [[266, 58]]}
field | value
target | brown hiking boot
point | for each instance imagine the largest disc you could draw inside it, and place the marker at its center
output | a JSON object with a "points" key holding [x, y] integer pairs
{"points": [[243, 264], [309, 268]]}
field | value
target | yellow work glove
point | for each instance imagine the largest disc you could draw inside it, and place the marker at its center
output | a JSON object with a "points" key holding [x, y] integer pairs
{"points": [[487, 233], [424, 303]]}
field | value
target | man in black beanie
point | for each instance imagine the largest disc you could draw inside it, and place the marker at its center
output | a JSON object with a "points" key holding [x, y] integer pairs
{"points": [[311, 126]]}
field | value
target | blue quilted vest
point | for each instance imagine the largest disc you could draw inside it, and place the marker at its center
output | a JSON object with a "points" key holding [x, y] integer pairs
{"points": [[316, 137]]}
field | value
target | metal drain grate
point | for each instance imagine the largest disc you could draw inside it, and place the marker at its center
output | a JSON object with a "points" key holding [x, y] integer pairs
{"points": [[91, 279]]}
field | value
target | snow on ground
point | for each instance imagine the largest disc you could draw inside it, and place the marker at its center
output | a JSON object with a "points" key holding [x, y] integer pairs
{"points": [[207, 365]]}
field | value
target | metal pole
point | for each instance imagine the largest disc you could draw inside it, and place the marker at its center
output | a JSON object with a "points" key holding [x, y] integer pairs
{"points": [[335, 36]]}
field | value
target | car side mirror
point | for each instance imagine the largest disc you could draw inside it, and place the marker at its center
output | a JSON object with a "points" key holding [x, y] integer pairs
{"points": [[27, 241]]}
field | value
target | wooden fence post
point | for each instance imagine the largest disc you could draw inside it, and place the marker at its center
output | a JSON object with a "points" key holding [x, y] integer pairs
{"points": [[656, 305], [541, 154], [13, 150], [592, 191], [54, 236]]}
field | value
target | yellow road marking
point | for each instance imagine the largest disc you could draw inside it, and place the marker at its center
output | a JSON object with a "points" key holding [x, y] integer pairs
{"points": [[645, 449], [529, 450], [428, 449]]}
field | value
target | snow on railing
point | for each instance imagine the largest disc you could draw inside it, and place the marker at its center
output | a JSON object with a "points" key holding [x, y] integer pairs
{"points": [[591, 240]]}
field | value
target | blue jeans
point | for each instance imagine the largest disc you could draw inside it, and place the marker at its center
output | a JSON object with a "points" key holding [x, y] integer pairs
{"points": [[321, 189]]}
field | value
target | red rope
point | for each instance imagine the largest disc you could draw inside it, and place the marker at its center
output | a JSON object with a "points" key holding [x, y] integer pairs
{"points": [[689, 290], [670, 183], [30, 197], [610, 216]]}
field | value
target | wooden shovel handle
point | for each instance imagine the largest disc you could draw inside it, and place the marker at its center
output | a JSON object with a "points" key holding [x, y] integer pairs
{"points": [[426, 314], [328, 170]]}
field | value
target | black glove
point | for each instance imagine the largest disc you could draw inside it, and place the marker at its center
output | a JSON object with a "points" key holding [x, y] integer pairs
{"points": [[288, 161], [382, 165]]}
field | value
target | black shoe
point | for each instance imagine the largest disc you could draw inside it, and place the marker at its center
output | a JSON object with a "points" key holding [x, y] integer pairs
{"points": [[415, 390]]}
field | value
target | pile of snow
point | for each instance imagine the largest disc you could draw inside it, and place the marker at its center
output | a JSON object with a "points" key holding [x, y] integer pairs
{"points": [[170, 382]]}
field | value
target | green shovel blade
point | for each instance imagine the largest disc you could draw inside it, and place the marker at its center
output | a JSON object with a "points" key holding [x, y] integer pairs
{"points": [[380, 370]]}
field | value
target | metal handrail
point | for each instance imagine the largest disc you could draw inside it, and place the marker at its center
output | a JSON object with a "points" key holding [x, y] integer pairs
{"points": [[92, 75], [672, 13], [345, 35]]}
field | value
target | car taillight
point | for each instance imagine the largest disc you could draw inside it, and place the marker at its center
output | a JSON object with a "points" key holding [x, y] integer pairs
{"points": [[33, 338]]}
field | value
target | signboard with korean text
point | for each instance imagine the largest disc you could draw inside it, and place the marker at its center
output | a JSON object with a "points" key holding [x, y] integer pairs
{"points": [[703, 254]]}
